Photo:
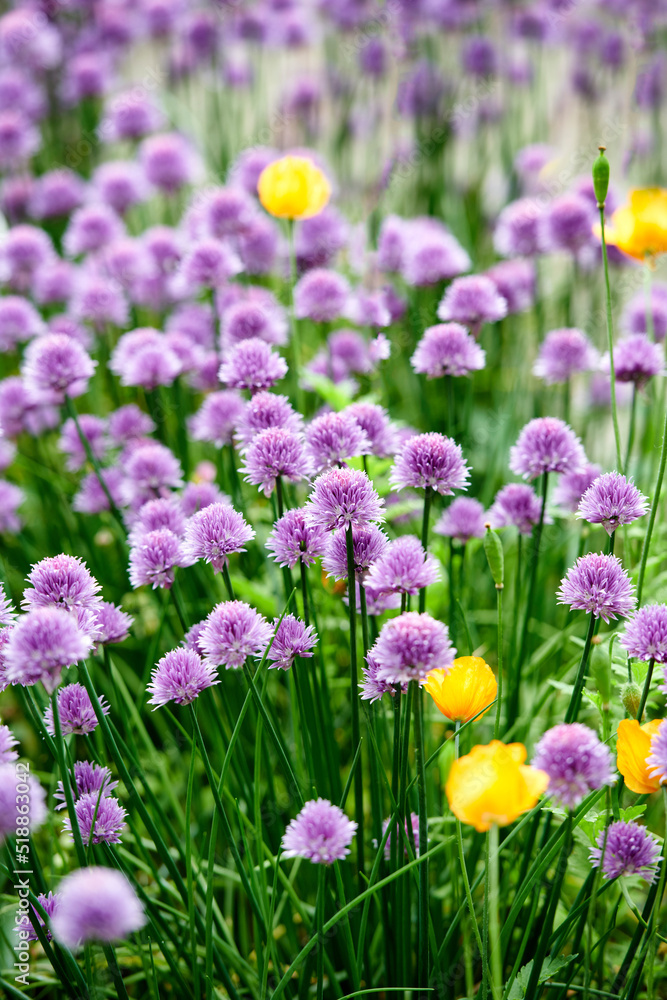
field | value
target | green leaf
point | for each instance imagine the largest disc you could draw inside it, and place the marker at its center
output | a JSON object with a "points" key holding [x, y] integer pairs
{"points": [[338, 396], [549, 969], [632, 812]]}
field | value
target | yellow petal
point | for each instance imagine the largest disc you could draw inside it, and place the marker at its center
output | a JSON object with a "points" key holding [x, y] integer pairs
{"points": [[632, 748], [462, 691]]}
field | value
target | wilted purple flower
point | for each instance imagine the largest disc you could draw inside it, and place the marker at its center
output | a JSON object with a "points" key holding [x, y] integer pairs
{"points": [[515, 280], [612, 500], [447, 349], [108, 816], [75, 710], [41, 644], [19, 321], [129, 423], [233, 632], [598, 584], [64, 581], [576, 761], [403, 568], [94, 431], [251, 364], [50, 905], [155, 557], [321, 295], [113, 624], [181, 676], [516, 504], [165, 512], [517, 232], [546, 444], [9, 801], [321, 833], [368, 544], [629, 849], [120, 184], [198, 496], [472, 300], [410, 646], [264, 410], [91, 228], [341, 497], [295, 539], [89, 778], [372, 687], [169, 161], [275, 452], [7, 743], [293, 638], [462, 520], [96, 904], [636, 312], [564, 353], [637, 359], [430, 461], [645, 635], [55, 365], [572, 485], [374, 422], [334, 437], [214, 533], [151, 470]]}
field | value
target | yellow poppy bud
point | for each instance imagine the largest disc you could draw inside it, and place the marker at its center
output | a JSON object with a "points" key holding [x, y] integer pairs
{"points": [[640, 227], [632, 748], [463, 691], [492, 784], [293, 188]]}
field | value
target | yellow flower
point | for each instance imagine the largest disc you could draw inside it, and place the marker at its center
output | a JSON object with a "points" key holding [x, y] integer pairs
{"points": [[492, 784], [469, 687], [632, 748], [640, 227], [293, 188]]}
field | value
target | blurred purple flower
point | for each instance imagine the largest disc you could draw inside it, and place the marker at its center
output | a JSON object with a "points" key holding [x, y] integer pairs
{"points": [[447, 349]]}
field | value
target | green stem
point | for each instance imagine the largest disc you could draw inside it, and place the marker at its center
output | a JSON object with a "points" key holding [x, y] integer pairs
{"points": [[354, 695], [494, 923], [67, 782], [647, 687], [553, 897], [294, 326], [499, 694], [227, 581], [575, 700], [72, 412], [304, 592], [422, 933], [279, 496], [610, 340], [631, 429], [653, 514], [513, 707], [428, 493], [319, 924]]}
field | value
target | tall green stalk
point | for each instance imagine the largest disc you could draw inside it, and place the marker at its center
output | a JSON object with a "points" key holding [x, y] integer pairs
{"points": [[354, 695], [610, 341]]}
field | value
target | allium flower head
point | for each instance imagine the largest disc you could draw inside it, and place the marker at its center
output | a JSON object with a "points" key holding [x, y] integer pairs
{"points": [[164, 512], [251, 364], [637, 359], [447, 349], [635, 318], [321, 295], [233, 632], [411, 832], [567, 224], [75, 711], [374, 422], [472, 301], [91, 228], [276, 452], [180, 676], [576, 761], [612, 500], [89, 778], [564, 353], [296, 539], [55, 365], [341, 497], [49, 904], [430, 460], [169, 161], [462, 520], [629, 849], [368, 544], [334, 437], [372, 686], [293, 638], [155, 557], [516, 504], [214, 533], [410, 646], [96, 904], [7, 743], [113, 624], [217, 417], [464, 690], [598, 584], [645, 634], [515, 280], [150, 471], [64, 581], [517, 231], [19, 321], [7, 612], [404, 568], [572, 485], [209, 263], [9, 801], [11, 498], [197, 496], [321, 833], [41, 644], [546, 444], [264, 410], [253, 318], [107, 813]]}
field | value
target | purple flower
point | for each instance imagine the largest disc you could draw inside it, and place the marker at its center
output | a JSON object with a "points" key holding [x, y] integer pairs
{"points": [[91, 498], [169, 161], [233, 632], [447, 349], [464, 519], [163, 513], [7, 612], [129, 115], [24, 250], [334, 437], [480, 57], [64, 581], [295, 539], [91, 228], [108, 816], [411, 832], [515, 280], [113, 624], [373, 687], [629, 849], [7, 743], [50, 905], [431, 461], [564, 353], [19, 321], [657, 759], [217, 417], [516, 504], [321, 832], [368, 544], [320, 295], [56, 193], [10, 778], [273, 453], [55, 365], [11, 497], [572, 485], [155, 557], [94, 431], [341, 497], [567, 224], [99, 300], [89, 778], [228, 211], [318, 239], [576, 761], [41, 644], [293, 638], [636, 359], [19, 139], [645, 635], [636, 312], [420, 93], [214, 533], [129, 423], [410, 646], [209, 264], [197, 496], [151, 470], [374, 422], [75, 711], [180, 676], [598, 584], [96, 904], [120, 184], [264, 410], [472, 300], [403, 568], [253, 318], [431, 255], [546, 444], [517, 232], [252, 365], [612, 500]]}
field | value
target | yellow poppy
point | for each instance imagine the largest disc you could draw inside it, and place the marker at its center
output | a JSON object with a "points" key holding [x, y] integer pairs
{"points": [[465, 690], [492, 784], [293, 188], [640, 227], [632, 748]]}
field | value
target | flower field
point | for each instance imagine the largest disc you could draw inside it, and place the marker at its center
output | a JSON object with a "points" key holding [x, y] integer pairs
{"points": [[333, 431]]}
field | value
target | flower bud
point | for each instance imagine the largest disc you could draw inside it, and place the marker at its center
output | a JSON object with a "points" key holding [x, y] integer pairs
{"points": [[493, 548], [631, 695], [601, 177]]}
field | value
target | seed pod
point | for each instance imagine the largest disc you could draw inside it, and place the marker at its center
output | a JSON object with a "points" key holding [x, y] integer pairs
{"points": [[494, 555], [601, 177], [631, 696]]}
